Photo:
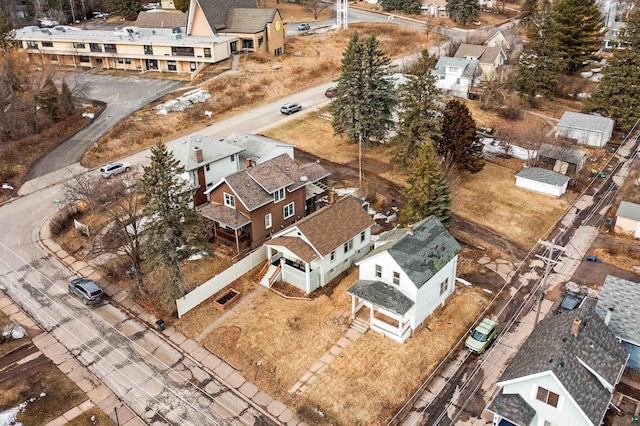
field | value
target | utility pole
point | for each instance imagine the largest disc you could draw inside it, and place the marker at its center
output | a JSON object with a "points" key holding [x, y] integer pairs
{"points": [[342, 12], [360, 159], [549, 263]]}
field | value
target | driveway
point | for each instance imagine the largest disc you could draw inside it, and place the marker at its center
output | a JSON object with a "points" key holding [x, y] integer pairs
{"points": [[123, 96]]}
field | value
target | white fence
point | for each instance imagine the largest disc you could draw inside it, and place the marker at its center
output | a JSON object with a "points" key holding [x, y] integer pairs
{"points": [[220, 281]]}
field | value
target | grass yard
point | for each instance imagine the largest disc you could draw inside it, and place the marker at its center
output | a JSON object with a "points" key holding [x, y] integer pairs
{"points": [[491, 199]]}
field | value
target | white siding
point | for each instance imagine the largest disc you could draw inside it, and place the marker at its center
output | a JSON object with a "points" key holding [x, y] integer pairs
{"points": [[541, 187], [368, 272], [429, 297]]}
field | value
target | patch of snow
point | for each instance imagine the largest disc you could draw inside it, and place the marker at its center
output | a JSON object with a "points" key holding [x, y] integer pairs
{"points": [[88, 114], [493, 147], [379, 216], [6, 186], [197, 256], [13, 330], [345, 191], [183, 102], [9, 417]]}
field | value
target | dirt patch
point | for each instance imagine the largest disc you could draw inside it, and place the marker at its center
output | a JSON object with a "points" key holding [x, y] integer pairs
{"points": [[93, 416]]}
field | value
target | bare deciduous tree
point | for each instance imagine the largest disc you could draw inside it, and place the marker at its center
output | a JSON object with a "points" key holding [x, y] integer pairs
{"points": [[315, 7]]}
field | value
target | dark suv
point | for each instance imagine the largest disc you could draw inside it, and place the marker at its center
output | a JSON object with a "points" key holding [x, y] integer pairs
{"points": [[87, 290]]}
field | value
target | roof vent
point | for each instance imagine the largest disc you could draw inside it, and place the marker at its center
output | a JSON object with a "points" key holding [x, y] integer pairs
{"points": [[303, 178]]}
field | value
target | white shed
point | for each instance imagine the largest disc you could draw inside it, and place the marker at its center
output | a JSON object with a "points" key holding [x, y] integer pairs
{"points": [[585, 129], [628, 219], [543, 181]]}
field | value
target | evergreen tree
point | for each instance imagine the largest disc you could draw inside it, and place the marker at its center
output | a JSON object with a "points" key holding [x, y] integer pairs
{"points": [[48, 98], [406, 6], [174, 231], [418, 112], [528, 11], [618, 94], [6, 32], [129, 9], [460, 142], [181, 5], [65, 102], [428, 192], [362, 106], [578, 24], [539, 64], [463, 10]]}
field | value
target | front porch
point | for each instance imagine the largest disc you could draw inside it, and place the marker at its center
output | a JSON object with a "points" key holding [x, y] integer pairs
{"points": [[388, 324], [227, 226], [294, 271]]}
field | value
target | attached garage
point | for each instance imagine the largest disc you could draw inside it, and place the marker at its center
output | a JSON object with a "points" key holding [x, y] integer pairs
{"points": [[543, 181]]}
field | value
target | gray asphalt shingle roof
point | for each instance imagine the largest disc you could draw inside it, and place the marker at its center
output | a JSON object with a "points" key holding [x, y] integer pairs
{"points": [[552, 347], [212, 150], [628, 210], [513, 408], [594, 123], [161, 19], [624, 296], [561, 153], [217, 11], [248, 21], [543, 175], [255, 146], [483, 54], [382, 295], [468, 65]]}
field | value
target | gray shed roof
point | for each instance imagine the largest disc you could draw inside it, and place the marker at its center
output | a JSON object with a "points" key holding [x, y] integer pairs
{"points": [[624, 296], [255, 146], [628, 210], [576, 120], [543, 175], [248, 21], [513, 408], [217, 11], [212, 150], [468, 65], [424, 253], [561, 153], [382, 295], [552, 348]]}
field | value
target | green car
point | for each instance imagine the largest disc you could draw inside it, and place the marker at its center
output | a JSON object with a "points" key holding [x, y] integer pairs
{"points": [[482, 336]]}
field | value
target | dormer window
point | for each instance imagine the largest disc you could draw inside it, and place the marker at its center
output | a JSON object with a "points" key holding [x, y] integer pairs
{"points": [[229, 200], [278, 195]]}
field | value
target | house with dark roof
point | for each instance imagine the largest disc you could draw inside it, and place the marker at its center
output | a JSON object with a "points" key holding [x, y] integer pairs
{"points": [[249, 206], [563, 374], [316, 249], [456, 75], [490, 59], [585, 129], [619, 307], [564, 159], [258, 30], [401, 282], [542, 180], [628, 219]]}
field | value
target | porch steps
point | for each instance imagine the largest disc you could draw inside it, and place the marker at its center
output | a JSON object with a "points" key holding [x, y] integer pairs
{"points": [[267, 276], [359, 324]]}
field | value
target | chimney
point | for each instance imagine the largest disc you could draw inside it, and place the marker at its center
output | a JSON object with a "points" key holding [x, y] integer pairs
{"points": [[248, 162], [575, 326], [197, 154], [607, 318], [332, 196], [410, 229]]}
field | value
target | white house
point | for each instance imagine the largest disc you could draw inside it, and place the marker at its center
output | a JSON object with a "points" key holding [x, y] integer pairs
{"points": [[585, 129], [456, 75], [563, 374], [434, 8], [316, 249], [543, 181], [402, 282], [490, 59], [619, 306], [498, 40], [628, 219], [258, 148]]}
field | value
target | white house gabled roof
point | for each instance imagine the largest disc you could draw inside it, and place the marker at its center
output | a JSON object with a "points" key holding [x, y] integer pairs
{"points": [[469, 66], [576, 120], [629, 210], [212, 151], [256, 147]]}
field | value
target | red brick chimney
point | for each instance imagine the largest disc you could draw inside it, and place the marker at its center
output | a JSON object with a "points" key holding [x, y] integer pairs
{"points": [[197, 154], [248, 162], [332, 196], [410, 229], [575, 326]]}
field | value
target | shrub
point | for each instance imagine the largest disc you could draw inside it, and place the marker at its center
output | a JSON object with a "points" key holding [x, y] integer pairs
{"points": [[511, 112], [62, 221]]}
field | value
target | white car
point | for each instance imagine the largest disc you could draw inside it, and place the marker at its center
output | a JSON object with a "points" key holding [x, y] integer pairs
{"points": [[112, 169]]}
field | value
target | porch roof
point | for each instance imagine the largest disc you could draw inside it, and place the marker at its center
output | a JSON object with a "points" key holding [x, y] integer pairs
{"points": [[296, 245], [224, 215], [381, 295]]}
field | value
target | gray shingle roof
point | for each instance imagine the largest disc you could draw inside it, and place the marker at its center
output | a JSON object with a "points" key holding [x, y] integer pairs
{"points": [[543, 175], [158, 18], [225, 215], [212, 150], [628, 210], [425, 252], [255, 146], [248, 21], [552, 348], [561, 153], [216, 11], [468, 65], [382, 295], [513, 408], [624, 296], [589, 122], [483, 54]]}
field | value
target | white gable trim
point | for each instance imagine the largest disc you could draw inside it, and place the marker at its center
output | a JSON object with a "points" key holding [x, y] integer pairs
{"points": [[295, 230]]}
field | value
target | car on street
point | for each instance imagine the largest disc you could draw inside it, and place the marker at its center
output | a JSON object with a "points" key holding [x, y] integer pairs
{"points": [[482, 336], [87, 290], [112, 169], [593, 259], [290, 108], [570, 301], [304, 27], [331, 92]]}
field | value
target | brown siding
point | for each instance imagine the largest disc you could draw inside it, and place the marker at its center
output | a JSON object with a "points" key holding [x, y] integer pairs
{"points": [[200, 197], [259, 233]]}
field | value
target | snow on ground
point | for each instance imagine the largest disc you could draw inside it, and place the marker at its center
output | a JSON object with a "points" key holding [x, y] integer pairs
{"points": [[13, 330], [183, 102], [493, 147], [9, 417]]}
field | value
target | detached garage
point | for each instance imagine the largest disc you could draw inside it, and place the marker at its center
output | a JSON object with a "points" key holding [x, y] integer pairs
{"points": [[628, 219], [543, 181], [585, 129]]}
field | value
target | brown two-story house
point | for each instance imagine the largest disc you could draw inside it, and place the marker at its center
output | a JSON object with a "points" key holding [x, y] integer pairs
{"points": [[247, 207]]}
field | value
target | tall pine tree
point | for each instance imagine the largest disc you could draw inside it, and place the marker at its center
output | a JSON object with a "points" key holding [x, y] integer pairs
{"points": [[418, 112], [463, 11], [175, 231], [460, 142], [428, 193], [539, 64], [618, 94], [362, 106], [528, 11], [578, 24]]}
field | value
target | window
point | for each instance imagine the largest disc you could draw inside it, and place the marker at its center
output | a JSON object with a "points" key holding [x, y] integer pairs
{"points": [[333, 255], [229, 200], [547, 397], [289, 210], [32, 44], [95, 47], [182, 51], [396, 278], [84, 59], [148, 50], [247, 43], [444, 285], [120, 60], [207, 52], [267, 220], [207, 167], [278, 195], [47, 43], [233, 158], [363, 236], [111, 48], [172, 66], [54, 58], [348, 246], [378, 271], [260, 41], [78, 45]]}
